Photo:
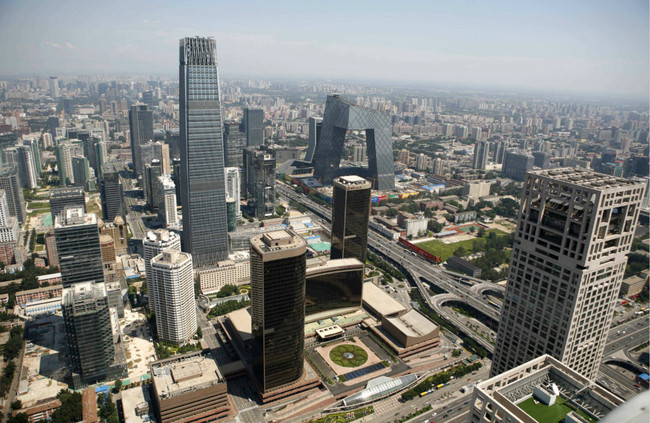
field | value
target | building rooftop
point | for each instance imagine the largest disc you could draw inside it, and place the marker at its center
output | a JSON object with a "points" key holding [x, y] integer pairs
{"points": [[512, 391], [84, 291], [586, 178], [352, 182], [241, 321], [171, 257], [182, 374], [75, 216], [413, 324], [160, 235], [278, 243], [318, 266], [378, 300]]}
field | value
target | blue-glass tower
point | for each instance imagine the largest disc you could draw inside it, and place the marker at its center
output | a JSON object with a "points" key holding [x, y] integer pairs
{"points": [[203, 195]]}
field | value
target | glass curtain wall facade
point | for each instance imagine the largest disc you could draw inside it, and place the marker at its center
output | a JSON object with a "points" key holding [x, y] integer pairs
{"points": [[278, 264], [334, 286], [79, 250], [342, 116], [350, 216], [141, 128], [88, 333], [203, 194]]}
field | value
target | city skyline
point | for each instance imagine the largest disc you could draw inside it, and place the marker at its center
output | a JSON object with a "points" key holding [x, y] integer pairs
{"points": [[554, 46]]}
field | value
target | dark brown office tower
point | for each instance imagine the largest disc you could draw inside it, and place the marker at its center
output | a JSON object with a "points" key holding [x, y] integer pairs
{"points": [[350, 215], [278, 265]]}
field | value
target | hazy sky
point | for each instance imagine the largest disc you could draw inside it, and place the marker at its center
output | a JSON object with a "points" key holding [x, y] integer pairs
{"points": [[596, 46]]}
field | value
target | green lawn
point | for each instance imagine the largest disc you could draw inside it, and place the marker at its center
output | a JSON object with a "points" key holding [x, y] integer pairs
{"points": [[549, 414], [444, 251]]}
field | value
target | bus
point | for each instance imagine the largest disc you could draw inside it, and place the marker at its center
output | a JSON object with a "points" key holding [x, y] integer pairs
{"points": [[493, 304], [440, 386]]}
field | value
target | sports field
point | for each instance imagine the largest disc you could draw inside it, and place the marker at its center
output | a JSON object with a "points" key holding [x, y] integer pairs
{"points": [[444, 250]]}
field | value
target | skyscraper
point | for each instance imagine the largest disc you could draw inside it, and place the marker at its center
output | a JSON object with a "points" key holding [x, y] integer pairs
{"points": [[233, 188], [78, 247], [259, 174], [481, 152], [154, 244], [254, 127], [315, 125], [10, 182], [516, 164], [342, 116], [234, 142], [27, 167], [167, 213], [54, 87], [81, 171], [63, 152], [350, 216], [172, 283], [141, 128], [61, 198], [88, 333], [574, 231], [278, 307], [111, 193], [203, 195]]}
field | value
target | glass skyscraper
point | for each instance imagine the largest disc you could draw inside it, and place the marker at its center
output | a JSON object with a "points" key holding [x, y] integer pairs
{"points": [[77, 243], [203, 194], [340, 117], [350, 216], [278, 266]]}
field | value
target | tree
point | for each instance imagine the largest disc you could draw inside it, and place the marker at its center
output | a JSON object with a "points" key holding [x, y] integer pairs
{"points": [[460, 251], [434, 226], [199, 332], [19, 418], [16, 405], [118, 385], [71, 408], [391, 213], [472, 229], [481, 232]]}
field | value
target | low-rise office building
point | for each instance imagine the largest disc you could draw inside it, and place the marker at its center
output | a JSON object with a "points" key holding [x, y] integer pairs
{"points": [[189, 387]]}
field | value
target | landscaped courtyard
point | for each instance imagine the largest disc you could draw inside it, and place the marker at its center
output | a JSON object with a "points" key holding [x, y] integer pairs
{"points": [[348, 355], [550, 414]]}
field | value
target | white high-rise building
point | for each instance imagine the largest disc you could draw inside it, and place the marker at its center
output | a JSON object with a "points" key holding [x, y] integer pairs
{"points": [[8, 224], [173, 280], [574, 232], [167, 209], [233, 187], [154, 243]]}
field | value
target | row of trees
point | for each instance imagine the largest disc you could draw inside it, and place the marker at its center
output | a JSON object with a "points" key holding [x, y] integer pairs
{"points": [[440, 378], [227, 307]]}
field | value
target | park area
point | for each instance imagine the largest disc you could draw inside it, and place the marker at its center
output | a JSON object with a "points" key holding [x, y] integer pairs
{"points": [[550, 413], [445, 249]]}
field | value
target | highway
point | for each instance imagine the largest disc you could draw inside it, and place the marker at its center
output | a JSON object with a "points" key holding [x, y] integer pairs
{"points": [[433, 274]]}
